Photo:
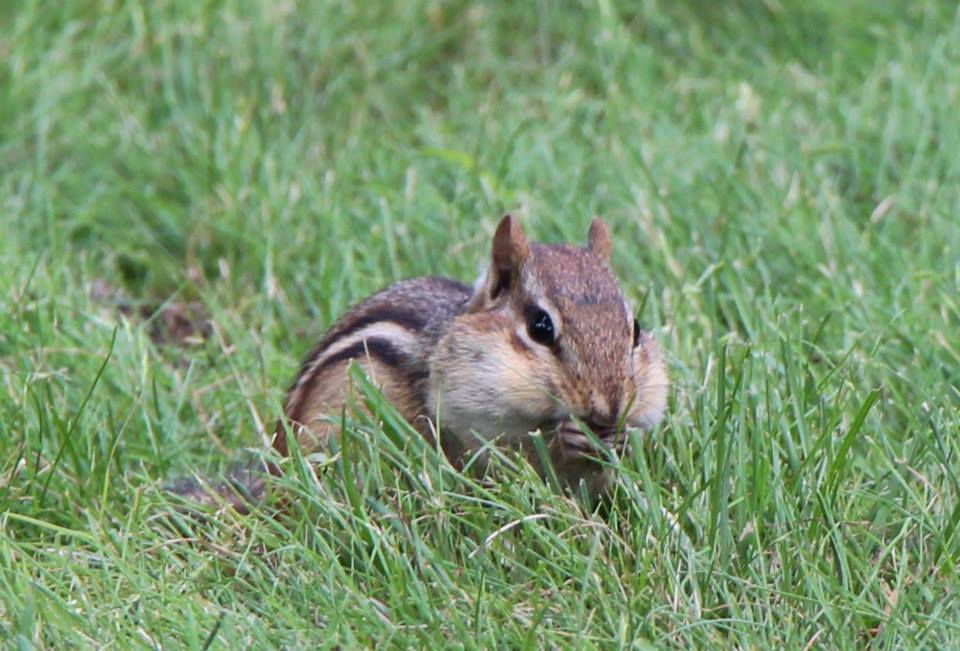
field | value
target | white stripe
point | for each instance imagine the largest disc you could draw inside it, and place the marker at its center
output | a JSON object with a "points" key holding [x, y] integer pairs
{"points": [[398, 336]]}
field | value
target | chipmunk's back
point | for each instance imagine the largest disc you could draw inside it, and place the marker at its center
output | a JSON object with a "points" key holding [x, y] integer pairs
{"points": [[391, 335]]}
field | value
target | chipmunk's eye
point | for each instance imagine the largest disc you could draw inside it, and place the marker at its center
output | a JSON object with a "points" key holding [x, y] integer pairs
{"points": [[540, 327], [636, 333]]}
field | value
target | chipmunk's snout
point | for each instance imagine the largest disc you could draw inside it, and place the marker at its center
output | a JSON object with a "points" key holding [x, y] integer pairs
{"points": [[604, 412], [600, 422], [611, 433]]}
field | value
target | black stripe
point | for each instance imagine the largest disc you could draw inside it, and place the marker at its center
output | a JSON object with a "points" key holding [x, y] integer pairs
{"points": [[390, 314], [344, 328], [412, 321], [379, 349]]}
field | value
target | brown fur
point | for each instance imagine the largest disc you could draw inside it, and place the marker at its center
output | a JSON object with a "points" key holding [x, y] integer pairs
{"points": [[465, 361]]}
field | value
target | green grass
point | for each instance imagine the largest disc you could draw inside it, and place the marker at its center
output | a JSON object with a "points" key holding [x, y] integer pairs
{"points": [[783, 182]]}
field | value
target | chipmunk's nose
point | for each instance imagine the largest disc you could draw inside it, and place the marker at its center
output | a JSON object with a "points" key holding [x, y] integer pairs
{"points": [[601, 421], [603, 413], [601, 424]]}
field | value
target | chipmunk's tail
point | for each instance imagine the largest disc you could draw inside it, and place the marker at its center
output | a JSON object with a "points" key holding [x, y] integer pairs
{"points": [[242, 487]]}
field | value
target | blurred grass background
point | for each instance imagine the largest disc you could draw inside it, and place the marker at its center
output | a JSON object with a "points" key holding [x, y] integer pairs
{"points": [[782, 182]]}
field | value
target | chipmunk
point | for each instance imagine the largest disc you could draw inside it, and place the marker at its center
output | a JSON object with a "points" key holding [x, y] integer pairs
{"points": [[543, 340]]}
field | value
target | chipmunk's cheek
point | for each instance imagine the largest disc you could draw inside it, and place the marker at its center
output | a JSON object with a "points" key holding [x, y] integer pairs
{"points": [[524, 391], [481, 385], [651, 385]]}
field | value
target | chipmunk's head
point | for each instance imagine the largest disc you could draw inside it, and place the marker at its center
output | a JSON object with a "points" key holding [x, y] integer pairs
{"points": [[547, 336]]}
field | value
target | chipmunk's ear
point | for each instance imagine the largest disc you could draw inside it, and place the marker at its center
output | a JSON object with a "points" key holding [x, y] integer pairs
{"points": [[598, 239], [510, 251]]}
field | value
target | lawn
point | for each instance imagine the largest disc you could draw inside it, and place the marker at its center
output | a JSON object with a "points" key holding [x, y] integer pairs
{"points": [[190, 192]]}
